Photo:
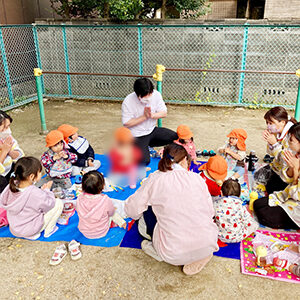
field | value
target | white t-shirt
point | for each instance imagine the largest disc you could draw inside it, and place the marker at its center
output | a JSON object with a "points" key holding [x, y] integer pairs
{"points": [[133, 108]]}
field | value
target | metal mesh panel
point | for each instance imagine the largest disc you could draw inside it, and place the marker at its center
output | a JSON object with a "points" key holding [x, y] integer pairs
{"points": [[52, 59], [137, 49], [102, 50], [272, 49], [4, 99], [18, 58], [21, 59]]}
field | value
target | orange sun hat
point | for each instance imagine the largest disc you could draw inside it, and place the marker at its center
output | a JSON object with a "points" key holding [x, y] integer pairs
{"points": [[67, 130], [123, 135], [216, 167], [241, 135], [53, 137], [184, 132]]}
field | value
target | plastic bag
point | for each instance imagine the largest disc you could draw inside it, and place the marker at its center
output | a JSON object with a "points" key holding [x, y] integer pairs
{"points": [[263, 174]]}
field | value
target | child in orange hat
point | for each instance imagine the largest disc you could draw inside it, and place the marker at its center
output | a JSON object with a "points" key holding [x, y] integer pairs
{"points": [[124, 155], [234, 151], [57, 161], [185, 139], [214, 172], [80, 146]]}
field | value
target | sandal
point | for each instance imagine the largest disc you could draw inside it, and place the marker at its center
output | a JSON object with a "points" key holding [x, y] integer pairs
{"points": [[74, 250], [58, 255]]}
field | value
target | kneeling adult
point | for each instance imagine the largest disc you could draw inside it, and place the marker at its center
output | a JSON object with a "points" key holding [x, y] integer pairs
{"points": [[182, 218], [140, 111]]}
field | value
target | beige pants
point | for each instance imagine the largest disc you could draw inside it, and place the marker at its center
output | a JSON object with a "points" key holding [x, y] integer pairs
{"points": [[51, 217]]}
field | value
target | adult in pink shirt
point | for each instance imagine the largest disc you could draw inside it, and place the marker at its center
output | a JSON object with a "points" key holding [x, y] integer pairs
{"points": [[185, 233]]}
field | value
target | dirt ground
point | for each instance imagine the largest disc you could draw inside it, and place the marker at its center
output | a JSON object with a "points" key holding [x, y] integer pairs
{"points": [[120, 273]]}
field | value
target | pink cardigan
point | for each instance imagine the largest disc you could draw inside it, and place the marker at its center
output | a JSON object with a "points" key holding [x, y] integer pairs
{"points": [[185, 231], [94, 212], [26, 210]]}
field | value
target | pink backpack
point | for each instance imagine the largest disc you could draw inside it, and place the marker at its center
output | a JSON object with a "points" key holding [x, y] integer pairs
{"points": [[3, 217]]}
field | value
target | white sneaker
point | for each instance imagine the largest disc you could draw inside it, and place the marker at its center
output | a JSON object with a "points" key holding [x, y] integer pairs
{"points": [[142, 228], [148, 248]]}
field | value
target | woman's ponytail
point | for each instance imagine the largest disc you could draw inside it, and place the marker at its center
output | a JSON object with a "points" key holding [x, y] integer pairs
{"points": [[173, 153]]}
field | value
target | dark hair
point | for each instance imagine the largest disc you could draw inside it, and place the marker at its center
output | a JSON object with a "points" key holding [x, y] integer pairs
{"points": [[182, 141], [231, 187], [4, 116], [295, 131], [24, 167], [173, 153], [278, 113], [143, 87], [93, 182]]}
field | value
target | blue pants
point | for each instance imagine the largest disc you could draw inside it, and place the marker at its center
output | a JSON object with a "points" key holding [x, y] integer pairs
{"points": [[150, 220]]}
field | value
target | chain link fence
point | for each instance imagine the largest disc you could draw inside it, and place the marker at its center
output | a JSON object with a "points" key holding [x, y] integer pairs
{"points": [[18, 58], [136, 49]]}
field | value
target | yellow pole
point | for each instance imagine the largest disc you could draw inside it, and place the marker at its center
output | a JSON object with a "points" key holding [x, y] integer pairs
{"points": [[158, 77]]}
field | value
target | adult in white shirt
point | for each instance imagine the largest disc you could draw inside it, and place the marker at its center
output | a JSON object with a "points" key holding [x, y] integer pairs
{"points": [[140, 112]]}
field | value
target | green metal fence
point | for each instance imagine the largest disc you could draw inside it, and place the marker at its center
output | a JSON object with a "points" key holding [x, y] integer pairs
{"points": [[136, 49]]}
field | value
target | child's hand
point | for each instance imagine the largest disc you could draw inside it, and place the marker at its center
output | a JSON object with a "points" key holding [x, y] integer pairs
{"points": [[222, 151], [269, 138], [90, 163], [63, 154], [227, 150], [56, 157], [47, 185]]}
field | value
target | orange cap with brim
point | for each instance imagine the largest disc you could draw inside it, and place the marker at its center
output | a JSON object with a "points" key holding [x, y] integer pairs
{"points": [[216, 167], [67, 130], [53, 137], [184, 132], [123, 135], [241, 135]]}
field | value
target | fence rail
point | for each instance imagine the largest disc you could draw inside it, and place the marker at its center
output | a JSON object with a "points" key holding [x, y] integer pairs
{"points": [[228, 64]]}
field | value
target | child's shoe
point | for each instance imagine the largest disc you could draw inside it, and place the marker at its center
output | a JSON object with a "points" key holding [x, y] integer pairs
{"points": [[58, 255], [74, 250], [211, 153]]}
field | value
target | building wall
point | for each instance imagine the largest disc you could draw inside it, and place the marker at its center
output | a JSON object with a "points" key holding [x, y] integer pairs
{"points": [[222, 9], [24, 11], [282, 9]]}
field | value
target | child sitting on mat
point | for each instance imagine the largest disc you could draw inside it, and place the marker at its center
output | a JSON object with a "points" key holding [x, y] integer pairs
{"points": [[234, 151], [95, 210], [124, 158], [185, 139], [30, 210], [57, 161], [214, 172], [232, 218], [81, 147]]}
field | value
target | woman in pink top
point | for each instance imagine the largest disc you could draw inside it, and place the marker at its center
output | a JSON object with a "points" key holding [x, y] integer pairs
{"points": [[185, 233]]}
